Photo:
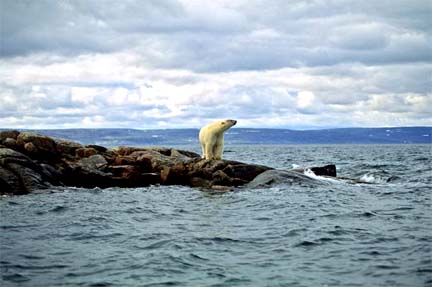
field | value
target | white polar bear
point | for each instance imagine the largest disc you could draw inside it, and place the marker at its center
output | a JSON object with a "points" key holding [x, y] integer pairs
{"points": [[212, 138]]}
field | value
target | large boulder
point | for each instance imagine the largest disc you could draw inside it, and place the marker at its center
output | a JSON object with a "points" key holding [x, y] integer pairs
{"points": [[37, 146], [19, 174], [275, 177]]}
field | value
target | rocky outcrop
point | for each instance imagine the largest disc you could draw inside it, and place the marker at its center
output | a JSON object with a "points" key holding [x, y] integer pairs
{"points": [[29, 161]]}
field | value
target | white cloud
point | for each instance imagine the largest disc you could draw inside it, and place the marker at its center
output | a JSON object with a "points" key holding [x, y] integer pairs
{"points": [[305, 99]]}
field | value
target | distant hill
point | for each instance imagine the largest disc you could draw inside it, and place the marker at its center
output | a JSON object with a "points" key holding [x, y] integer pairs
{"points": [[168, 137]]}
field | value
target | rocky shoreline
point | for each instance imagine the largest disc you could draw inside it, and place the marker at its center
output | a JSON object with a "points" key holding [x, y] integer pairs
{"points": [[30, 161]]}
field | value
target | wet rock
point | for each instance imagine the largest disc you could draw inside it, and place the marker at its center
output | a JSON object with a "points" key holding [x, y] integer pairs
{"points": [[327, 170], [243, 171], [200, 182], [272, 177], [10, 183], [21, 175], [80, 176]]}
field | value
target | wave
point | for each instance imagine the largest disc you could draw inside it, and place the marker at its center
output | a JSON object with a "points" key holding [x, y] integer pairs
{"points": [[309, 173]]}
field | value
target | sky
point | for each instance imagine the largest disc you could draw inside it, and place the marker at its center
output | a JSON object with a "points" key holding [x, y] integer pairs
{"points": [[184, 63]]}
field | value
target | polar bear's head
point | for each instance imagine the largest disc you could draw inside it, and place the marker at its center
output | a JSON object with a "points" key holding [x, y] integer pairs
{"points": [[226, 124]]}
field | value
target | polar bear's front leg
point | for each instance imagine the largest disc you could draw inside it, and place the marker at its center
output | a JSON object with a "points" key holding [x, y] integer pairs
{"points": [[218, 148], [204, 155], [208, 151]]}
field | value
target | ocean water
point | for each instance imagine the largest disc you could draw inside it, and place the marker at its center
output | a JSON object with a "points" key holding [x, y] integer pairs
{"points": [[376, 233]]}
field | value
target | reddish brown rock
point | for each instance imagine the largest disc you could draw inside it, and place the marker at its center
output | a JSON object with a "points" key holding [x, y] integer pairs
{"points": [[36, 161], [65, 147], [85, 152]]}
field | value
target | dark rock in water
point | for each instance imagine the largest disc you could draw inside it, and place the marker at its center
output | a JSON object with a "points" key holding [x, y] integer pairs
{"points": [[272, 177], [20, 175], [30, 161], [327, 170]]}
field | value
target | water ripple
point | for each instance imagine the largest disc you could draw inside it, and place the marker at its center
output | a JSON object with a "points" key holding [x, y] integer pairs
{"points": [[327, 235]]}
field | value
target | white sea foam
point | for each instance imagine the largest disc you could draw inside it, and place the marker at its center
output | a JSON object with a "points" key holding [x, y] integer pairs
{"points": [[370, 178], [309, 173]]}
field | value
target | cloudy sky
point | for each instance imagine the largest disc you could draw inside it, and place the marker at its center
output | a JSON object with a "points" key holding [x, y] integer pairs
{"points": [[184, 63]]}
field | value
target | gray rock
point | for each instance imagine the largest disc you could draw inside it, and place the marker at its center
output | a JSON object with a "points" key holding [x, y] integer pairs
{"points": [[20, 175], [273, 177]]}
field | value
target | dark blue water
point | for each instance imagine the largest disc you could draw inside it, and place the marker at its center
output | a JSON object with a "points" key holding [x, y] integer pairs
{"points": [[332, 234]]}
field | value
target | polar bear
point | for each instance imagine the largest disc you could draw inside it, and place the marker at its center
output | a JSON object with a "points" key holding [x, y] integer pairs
{"points": [[212, 138]]}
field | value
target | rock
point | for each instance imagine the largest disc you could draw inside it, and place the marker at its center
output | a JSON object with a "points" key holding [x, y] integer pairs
{"points": [[124, 160], [141, 160], [175, 174], [132, 176], [124, 150], [221, 188], [79, 176], [272, 177], [85, 152], [35, 161], [41, 146], [243, 171], [10, 183], [11, 143], [98, 148], [199, 182], [223, 172], [12, 134], [30, 148], [21, 175], [327, 170], [67, 148], [93, 162]]}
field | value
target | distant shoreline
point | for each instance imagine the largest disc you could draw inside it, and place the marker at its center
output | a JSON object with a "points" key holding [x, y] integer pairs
{"points": [[169, 137]]}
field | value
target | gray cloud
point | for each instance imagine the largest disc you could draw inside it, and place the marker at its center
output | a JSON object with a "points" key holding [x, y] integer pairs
{"points": [[167, 63], [239, 36]]}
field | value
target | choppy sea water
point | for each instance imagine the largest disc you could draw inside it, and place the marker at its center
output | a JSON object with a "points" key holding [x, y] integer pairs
{"points": [[378, 233]]}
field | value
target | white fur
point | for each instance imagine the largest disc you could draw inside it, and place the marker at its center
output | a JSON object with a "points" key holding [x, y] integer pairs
{"points": [[212, 138]]}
